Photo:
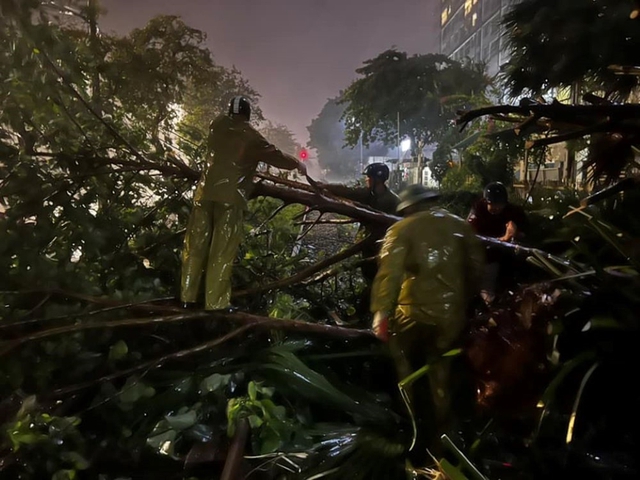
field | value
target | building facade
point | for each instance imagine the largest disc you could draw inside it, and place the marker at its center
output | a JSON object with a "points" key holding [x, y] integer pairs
{"points": [[471, 29]]}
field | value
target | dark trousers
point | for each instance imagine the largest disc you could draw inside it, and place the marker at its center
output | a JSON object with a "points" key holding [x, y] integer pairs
{"points": [[369, 269], [434, 396]]}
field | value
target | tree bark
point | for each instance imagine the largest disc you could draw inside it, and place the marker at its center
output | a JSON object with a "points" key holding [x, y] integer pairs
{"points": [[233, 464]]}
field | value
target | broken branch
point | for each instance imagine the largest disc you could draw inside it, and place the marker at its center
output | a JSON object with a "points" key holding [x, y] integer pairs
{"points": [[306, 273]]}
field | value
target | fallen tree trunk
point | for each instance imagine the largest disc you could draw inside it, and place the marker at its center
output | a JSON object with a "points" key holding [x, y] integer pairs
{"points": [[290, 191], [176, 314], [324, 204]]}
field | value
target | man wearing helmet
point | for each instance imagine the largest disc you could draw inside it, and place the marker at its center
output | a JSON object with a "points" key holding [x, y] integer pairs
{"points": [[493, 216], [429, 266], [375, 195], [215, 225]]}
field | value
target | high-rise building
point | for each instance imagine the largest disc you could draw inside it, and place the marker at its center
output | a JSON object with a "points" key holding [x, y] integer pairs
{"points": [[471, 29]]}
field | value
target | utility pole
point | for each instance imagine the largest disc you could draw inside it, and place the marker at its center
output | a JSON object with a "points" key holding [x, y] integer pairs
{"points": [[399, 154], [361, 150]]}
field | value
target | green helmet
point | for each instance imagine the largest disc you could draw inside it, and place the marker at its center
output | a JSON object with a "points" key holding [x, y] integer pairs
{"points": [[414, 194]]}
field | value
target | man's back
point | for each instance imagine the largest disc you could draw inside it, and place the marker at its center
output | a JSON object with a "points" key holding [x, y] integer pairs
{"points": [[234, 150], [430, 262], [385, 201]]}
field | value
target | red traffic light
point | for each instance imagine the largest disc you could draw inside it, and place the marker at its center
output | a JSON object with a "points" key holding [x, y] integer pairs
{"points": [[304, 154]]}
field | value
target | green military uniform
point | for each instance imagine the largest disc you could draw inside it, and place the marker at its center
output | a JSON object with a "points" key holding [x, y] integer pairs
{"points": [[386, 202], [429, 266], [215, 226]]}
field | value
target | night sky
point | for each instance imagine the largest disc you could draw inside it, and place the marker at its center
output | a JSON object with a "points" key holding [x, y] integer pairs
{"points": [[295, 53]]}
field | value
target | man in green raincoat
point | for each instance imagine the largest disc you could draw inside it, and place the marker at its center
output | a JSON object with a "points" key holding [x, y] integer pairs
{"points": [[215, 225], [377, 196], [430, 264]]}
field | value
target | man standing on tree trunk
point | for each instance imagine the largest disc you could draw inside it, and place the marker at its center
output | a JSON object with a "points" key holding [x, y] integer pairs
{"points": [[430, 264], [215, 225], [375, 195]]}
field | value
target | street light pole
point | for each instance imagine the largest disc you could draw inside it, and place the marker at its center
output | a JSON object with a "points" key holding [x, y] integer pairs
{"points": [[361, 156], [398, 141]]}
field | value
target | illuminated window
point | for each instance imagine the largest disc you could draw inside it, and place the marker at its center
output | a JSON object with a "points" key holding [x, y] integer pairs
{"points": [[468, 5], [445, 16], [474, 19]]}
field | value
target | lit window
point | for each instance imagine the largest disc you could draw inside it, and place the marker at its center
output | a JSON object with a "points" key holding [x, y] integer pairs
{"points": [[445, 16], [474, 19], [468, 5]]}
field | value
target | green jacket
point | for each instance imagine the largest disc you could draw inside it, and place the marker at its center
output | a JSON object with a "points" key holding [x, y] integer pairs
{"points": [[234, 150], [429, 267], [386, 202]]}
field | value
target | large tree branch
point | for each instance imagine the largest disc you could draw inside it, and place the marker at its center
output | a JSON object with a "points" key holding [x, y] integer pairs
{"points": [[314, 200], [598, 127], [556, 111], [564, 122], [176, 314], [305, 273], [322, 203], [249, 322]]}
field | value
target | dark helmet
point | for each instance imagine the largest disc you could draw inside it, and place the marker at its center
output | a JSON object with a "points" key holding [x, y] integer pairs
{"points": [[414, 194], [377, 170], [496, 192], [240, 106]]}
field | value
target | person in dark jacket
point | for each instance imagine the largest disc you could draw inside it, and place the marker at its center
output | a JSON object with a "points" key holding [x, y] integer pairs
{"points": [[494, 216], [215, 225], [377, 196]]}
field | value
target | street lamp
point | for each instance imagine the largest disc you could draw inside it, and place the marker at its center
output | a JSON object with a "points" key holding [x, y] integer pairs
{"points": [[405, 145]]}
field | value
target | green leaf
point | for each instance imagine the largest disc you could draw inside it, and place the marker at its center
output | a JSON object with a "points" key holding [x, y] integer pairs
{"points": [[25, 438], [133, 390], [452, 353], [602, 322], [163, 442], [118, 351], [64, 475], [266, 391], [273, 410], [79, 462], [253, 391], [214, 383], [149, 392], [270, 441], [28, 405], [183, 421], [255, 421]]}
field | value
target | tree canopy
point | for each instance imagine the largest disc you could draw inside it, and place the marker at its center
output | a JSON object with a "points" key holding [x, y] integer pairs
{"points": [[424, 90], [281, 137], [327, 137], [558, 44]]}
